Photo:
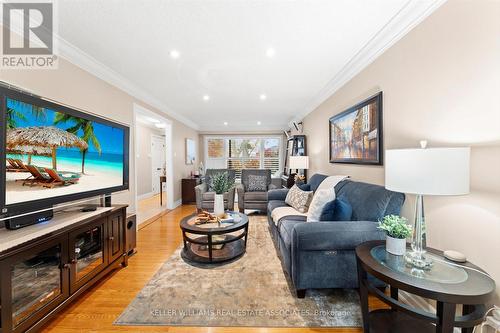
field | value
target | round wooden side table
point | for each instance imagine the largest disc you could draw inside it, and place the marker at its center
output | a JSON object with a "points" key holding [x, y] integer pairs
{"points": [[446, 283]]}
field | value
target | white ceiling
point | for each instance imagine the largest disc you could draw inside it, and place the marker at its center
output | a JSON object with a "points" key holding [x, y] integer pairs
{"points": [[318, 44]]}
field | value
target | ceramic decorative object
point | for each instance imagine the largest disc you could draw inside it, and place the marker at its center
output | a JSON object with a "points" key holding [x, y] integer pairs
{"points": [[395, 246], [219, 205]]}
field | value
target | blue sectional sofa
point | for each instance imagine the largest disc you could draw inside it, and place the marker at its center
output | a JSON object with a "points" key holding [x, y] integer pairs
{"points": [[321, 254]]}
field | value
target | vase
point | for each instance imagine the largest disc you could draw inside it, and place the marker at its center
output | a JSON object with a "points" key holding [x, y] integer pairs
{"points": [[395, 246], [219, 205]]}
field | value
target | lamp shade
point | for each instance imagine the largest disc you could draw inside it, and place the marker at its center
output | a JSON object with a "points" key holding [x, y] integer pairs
{"points": [[432, 171], [299, 162]]}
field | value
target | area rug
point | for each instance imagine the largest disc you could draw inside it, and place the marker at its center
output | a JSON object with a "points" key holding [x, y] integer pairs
{"points": [[251, 291]]}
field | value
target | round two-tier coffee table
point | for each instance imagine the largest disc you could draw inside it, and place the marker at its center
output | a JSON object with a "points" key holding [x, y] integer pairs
{"points": [[213, 242], [446, 283]]}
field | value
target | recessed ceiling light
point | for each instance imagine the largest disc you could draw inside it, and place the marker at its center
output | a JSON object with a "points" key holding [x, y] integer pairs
{"points": [[263, 97], [226, 123], [160, 125], [270, 52], [206, 97], [259, 123], [175, 54]]}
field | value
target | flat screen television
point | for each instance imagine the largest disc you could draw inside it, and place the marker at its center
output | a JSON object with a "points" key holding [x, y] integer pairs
{"points": [[51, 154]]}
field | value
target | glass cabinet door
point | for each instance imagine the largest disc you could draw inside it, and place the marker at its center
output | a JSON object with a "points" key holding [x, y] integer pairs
{"points": [[87, 253], [37, 283]]}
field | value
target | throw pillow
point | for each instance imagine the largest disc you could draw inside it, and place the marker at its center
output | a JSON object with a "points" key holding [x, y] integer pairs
{"points": [[319, 200], [336, 210], [299, 199], [257, 183]]}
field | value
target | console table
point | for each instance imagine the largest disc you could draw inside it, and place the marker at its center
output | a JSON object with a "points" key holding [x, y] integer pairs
{"points": [[445, 283], [46, 266], [187, 189]]}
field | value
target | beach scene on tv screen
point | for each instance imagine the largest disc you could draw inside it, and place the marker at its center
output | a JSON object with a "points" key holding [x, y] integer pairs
{"points": [[50, 153]]}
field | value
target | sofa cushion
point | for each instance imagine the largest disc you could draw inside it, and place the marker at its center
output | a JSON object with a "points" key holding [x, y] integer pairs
{"points": [[315, 180], [257, 183], [336, 210], [369, 202], [299, 199], [320, 199], [255, 196], [210, 196], [272, 204], [280, 213]]}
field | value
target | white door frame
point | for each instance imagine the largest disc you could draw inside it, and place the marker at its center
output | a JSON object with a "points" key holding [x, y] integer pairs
{"points": [[169, 159]]}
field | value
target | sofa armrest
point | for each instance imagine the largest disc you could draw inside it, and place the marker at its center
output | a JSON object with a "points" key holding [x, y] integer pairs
{"points": [[278, 194], [199, 190], [240, 188], [325, 236]]}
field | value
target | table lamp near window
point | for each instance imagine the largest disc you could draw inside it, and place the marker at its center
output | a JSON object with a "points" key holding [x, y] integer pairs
{"points": [[299, 163], [426, 171]]}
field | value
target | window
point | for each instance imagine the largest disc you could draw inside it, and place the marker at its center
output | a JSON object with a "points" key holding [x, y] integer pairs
{"points": [[271, 147], [244, 153]]}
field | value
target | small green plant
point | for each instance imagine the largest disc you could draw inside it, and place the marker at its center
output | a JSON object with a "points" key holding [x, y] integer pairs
{"points": [[395, 226], [221, 182]]}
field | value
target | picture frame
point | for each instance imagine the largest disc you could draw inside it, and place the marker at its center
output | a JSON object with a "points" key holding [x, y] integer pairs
{"points": [[190, 151], [356, 134]]}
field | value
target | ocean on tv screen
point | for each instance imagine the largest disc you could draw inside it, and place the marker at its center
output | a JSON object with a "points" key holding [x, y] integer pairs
{"points": [[52, 154]]}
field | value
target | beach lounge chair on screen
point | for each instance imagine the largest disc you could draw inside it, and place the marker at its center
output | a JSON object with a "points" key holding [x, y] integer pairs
{"points": [[21, 165], [14, 166], [61, 178], [36, 177]]}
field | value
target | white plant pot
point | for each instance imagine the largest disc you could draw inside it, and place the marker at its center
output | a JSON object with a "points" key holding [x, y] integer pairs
{"points": [[219, 205], [395, 246]]}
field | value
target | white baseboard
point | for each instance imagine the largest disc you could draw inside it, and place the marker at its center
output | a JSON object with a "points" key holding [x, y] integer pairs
{"points": [[419, 303], [177, 203], [146, 195], [415, 301]]}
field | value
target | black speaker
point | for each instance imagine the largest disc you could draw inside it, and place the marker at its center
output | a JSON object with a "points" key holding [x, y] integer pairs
{"points": [[107, 200], [131, 234]]}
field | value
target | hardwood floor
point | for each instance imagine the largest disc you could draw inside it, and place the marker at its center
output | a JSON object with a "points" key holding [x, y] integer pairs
{"points": [[149, 209], [104, 302]]}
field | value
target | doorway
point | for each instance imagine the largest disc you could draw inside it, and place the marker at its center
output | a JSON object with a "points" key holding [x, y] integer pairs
{"points": [[158, 165], [153, 165]]}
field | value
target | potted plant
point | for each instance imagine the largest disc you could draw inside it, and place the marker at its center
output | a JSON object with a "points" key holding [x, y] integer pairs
{"points": [[221, 183], [397, 231]]}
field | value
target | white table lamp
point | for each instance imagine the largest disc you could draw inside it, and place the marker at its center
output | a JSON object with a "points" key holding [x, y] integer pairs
{"points": [[299, 162], [433, 171]]}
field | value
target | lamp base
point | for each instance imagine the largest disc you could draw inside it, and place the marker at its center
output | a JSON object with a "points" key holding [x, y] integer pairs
{"points": [[418, 260]]}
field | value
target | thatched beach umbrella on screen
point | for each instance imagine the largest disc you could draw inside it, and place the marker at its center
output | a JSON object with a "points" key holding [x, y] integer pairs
{"points": [[30, 151], [48, 137]]}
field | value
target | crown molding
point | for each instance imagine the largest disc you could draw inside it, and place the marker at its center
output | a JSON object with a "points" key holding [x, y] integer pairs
{"points": [[402, 22], [88, 63]]}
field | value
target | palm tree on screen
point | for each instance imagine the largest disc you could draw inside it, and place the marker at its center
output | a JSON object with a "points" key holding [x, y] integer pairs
{"points": [[85, 126]]}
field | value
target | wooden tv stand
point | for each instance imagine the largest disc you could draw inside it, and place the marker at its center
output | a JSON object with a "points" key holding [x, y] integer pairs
{"points": [[46, 266]]}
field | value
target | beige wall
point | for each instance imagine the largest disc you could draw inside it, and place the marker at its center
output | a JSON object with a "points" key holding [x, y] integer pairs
{"points": [[181, 169], [75, 87], [143, 157], [441, 82]]}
